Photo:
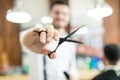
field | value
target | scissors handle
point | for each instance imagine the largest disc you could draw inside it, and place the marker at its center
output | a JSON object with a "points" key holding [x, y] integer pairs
{"points": [[50, 54], [60, 42], [39, 32]]}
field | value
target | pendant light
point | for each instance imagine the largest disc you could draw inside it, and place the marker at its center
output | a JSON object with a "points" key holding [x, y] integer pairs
{"points": [[100, 10], [15, 15]]}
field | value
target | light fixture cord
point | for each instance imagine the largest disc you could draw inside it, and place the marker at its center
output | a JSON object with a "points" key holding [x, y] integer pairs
{"points": [[96, 2]]}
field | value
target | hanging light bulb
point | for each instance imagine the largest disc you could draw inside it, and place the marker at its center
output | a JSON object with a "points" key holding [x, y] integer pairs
{"points": [[46, 20], [16, 16], [100, 11]]}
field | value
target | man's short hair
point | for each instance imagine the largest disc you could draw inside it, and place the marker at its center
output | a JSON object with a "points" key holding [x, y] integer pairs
{"points": [[58, 3], [112, 53]]}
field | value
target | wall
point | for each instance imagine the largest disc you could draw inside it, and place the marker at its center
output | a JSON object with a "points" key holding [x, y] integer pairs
{"points": [[112, 24], [10, 51]]}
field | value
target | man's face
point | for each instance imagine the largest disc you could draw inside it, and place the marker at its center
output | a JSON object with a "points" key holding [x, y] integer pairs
{"points": [[60, 15]]}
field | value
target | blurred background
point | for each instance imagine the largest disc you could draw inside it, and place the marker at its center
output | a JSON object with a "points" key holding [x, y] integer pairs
{"points": [[100, 29]]}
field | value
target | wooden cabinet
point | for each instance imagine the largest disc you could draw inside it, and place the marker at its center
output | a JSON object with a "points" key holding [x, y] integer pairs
{"points": [[112, 23], [10, 52]]}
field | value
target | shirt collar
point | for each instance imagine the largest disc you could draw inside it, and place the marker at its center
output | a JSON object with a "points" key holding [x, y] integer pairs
{"points": [[117, 67]]}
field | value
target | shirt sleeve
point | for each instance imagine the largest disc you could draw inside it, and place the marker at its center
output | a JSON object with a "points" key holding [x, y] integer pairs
{"points": [[73, 65]]}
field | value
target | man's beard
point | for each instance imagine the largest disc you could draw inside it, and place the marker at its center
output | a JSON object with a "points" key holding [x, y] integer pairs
{"points": [[59, 27], [66, 28]]}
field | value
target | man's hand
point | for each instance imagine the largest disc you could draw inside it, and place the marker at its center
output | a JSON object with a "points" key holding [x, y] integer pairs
{"points": [[37, 43]]}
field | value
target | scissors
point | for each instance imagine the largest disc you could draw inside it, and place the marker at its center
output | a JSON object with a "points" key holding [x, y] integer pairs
{"points": [[62, 40]]}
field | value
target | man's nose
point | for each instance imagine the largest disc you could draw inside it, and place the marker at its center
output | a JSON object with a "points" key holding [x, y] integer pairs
{"points": [[60, 16]]}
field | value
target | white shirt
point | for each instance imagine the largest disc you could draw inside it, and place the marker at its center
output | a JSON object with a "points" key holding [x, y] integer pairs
{"points": [[65, 61], [116, 68]]}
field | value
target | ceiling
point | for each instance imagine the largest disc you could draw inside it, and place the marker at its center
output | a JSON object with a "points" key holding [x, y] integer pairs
{"points": [[39, 8]]}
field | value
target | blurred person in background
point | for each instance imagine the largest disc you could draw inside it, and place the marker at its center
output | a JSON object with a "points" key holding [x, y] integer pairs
{"points": [[111, 61], [63, 65]]}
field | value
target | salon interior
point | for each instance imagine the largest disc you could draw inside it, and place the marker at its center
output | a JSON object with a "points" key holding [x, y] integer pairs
{"points": [[101, 20]]}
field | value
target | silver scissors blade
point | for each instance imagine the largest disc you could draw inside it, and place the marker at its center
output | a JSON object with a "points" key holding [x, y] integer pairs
{"points": [[74, 31]]}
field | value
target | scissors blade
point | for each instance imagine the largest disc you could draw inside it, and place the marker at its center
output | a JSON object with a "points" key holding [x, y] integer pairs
{"points": [[74, 31], [68, 40]]}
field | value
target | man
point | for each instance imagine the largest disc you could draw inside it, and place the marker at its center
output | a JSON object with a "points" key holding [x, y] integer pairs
{"points": [[111, 60], [62, 63]]}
